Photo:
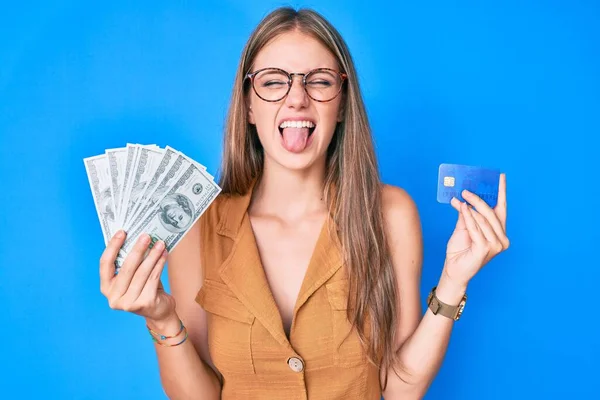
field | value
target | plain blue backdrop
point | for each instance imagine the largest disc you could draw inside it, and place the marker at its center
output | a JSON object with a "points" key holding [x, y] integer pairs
{"points": [[511, 84]]}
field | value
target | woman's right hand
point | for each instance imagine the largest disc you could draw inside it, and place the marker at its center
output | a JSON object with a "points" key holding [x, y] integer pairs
{"points": [[137, 287]]}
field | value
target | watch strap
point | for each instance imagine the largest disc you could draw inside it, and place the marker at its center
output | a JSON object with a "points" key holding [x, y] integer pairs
{"points": [[447, 310]]}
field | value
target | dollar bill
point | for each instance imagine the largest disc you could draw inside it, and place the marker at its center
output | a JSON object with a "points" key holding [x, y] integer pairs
{"points": [[132, 153], [99, 178], [145, 166], [144, 188], [175, 212], [117, 158], [129, 169], [177, 168], [168, 159]]}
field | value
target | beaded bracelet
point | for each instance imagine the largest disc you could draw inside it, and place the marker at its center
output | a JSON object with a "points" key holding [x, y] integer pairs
{"points": [[163, 337], [170, 345]]}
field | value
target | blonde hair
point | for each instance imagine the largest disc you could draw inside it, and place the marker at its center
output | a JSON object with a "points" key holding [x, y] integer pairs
{"points": [[352, 184]]}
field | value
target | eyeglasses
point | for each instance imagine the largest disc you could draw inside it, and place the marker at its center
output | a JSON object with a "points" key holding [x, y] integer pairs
{"points": [[273, 84]]}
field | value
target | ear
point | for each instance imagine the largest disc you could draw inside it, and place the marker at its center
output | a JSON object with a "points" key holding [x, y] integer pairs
{"points": [[251, 115]]}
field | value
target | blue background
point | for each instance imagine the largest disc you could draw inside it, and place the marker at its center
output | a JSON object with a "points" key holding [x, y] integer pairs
{"points": [[514, 85]]}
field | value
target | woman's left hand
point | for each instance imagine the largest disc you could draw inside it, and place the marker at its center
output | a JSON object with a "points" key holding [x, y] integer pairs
{"points": [[478, 237]]}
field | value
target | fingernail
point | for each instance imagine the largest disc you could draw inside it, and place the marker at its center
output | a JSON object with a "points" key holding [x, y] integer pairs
{"points": [[120, 234], [145, 238], [159, 245]]}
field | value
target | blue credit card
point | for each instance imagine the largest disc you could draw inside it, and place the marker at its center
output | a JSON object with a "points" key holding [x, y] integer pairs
{"points": [[454, 178]]}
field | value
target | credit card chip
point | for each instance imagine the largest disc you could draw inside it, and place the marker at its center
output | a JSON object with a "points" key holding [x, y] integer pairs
{"points": [[449, 181]]}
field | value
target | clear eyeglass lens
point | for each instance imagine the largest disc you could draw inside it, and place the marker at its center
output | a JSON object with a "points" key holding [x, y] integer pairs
{"points": [[273, 84]]}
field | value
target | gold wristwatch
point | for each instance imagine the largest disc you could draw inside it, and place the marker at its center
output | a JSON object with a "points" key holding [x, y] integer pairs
{"points": [[437, 307]]}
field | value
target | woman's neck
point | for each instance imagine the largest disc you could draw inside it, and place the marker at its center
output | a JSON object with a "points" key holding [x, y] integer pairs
{"points": [[289, 194]]}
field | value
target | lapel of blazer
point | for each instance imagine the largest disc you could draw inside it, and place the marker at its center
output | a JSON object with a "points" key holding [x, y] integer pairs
{"points": [[242, 270], [243, 273], [325, 261]]}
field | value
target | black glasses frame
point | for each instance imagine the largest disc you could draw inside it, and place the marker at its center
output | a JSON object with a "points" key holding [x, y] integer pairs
{"points": [[252, 75]]}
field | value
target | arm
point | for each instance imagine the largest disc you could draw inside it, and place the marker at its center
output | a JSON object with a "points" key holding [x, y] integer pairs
{"points": [[416, 362], [185, 370], [477, 238]]}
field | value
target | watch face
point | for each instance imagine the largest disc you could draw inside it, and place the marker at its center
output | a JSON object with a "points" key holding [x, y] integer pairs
{"points": [[461, 307]]}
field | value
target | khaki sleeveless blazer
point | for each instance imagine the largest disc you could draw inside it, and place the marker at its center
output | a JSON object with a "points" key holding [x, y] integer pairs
{"points": [[323, 358]]}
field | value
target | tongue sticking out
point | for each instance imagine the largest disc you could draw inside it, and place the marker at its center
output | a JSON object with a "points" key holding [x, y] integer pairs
{"points": [[295, 139]]}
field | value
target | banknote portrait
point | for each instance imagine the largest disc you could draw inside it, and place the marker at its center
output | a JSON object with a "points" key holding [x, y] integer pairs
{"points": [[106, 206], [176, 212], [136, 191]]}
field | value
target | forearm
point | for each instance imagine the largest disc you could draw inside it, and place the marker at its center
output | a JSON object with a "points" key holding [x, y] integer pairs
{"points": [[421, 355], [183, 374]]}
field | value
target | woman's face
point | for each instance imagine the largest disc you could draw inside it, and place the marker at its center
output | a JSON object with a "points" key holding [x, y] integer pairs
{"points": [[299, 144]]}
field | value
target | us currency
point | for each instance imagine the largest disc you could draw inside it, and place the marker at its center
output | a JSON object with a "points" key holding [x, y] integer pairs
{"points": [[98, 173], [117, 158], [175, 212], [178, 168], [132, 154], [129, 170], [168, 159], [147, 161]]}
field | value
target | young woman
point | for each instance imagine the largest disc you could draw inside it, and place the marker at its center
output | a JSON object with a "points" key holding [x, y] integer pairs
{"points": [[302, 279]]}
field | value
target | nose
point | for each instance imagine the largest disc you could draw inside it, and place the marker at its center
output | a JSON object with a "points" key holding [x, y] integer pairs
{"points": [[297, 97]]}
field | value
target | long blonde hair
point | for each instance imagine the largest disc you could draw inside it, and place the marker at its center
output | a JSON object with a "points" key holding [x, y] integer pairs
{"points": [[352, 183]]}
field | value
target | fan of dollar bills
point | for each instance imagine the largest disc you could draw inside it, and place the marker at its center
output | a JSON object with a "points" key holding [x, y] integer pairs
{"points": [[147, 189]]}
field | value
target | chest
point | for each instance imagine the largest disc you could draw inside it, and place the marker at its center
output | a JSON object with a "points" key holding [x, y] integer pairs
{"points": [[285, 252]]}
